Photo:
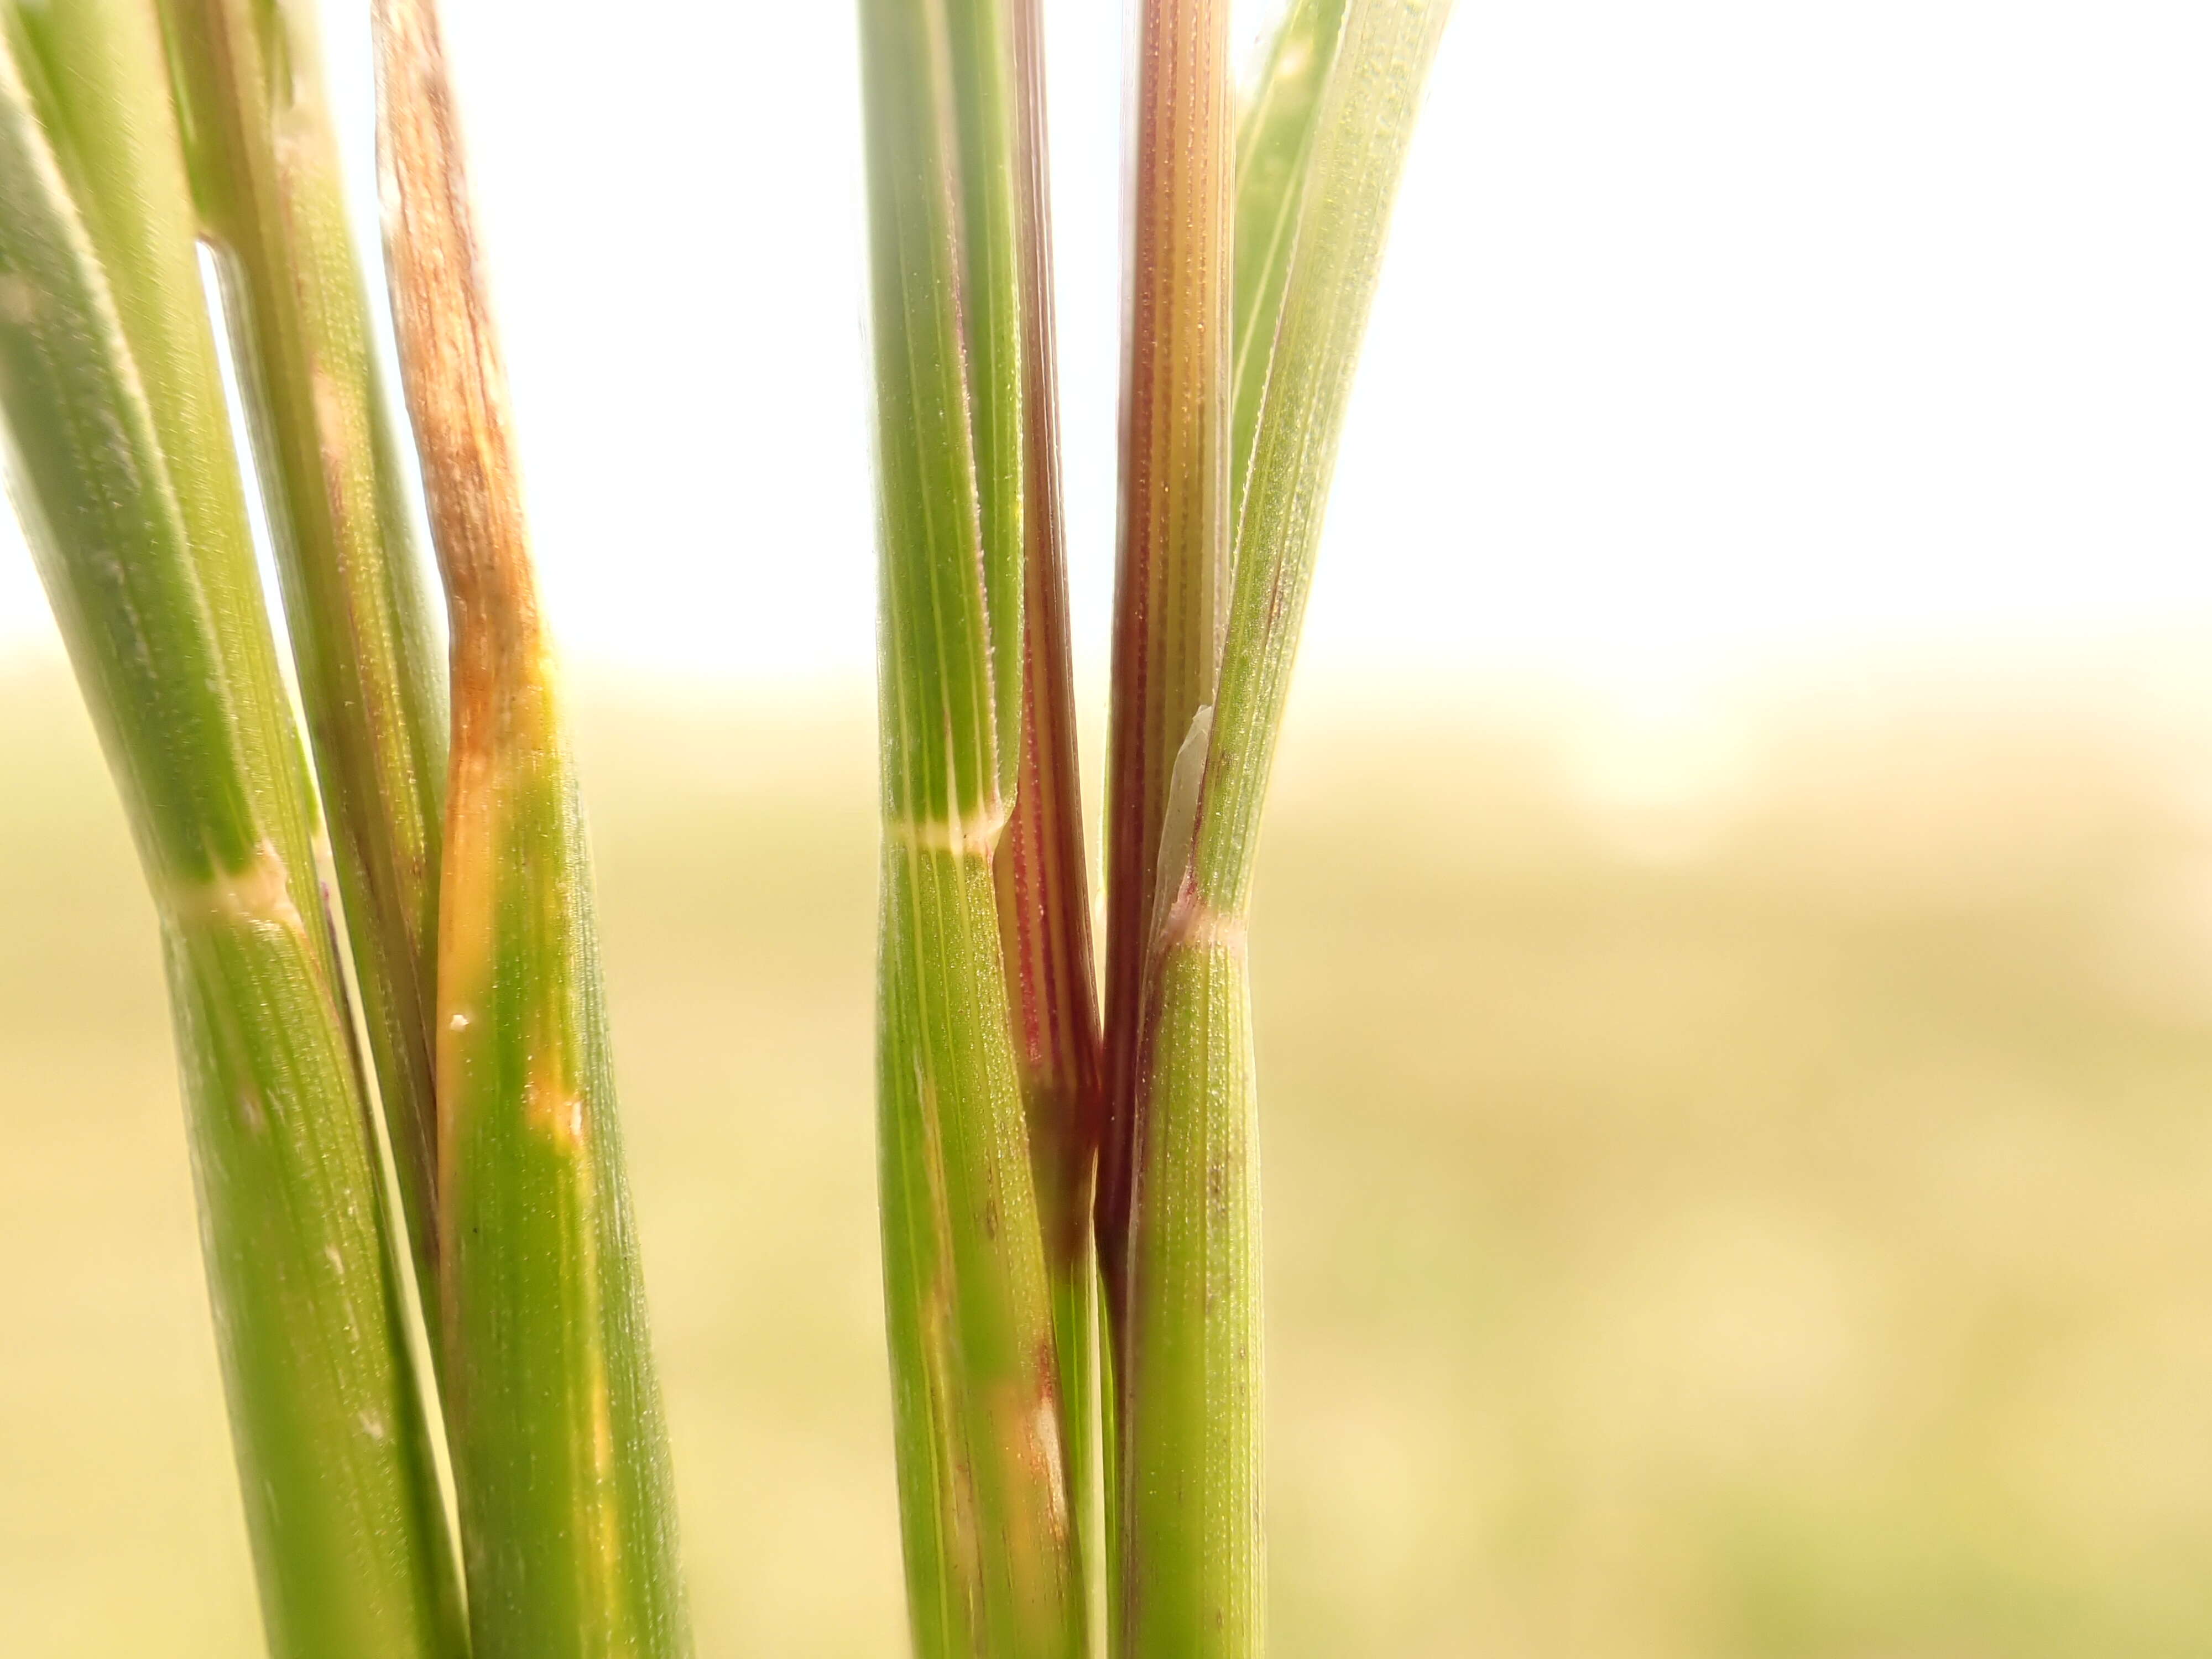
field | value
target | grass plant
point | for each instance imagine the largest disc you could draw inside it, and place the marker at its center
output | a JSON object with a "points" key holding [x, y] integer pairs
{"points": [[1252, 263], [133, 133], [1068, 1192], [123, 474]]}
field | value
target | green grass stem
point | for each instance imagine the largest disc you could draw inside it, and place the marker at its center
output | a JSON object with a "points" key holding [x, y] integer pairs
{"points": [[124, 471], [1191, 1493], [265, 162], [1173, 570], [983, 1464], [560, 1454]]}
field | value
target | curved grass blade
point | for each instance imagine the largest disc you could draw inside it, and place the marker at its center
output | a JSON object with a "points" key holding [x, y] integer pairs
{"points": [[265, 168], [1362, 134], [559, 1456], [122, 465], [1194, 1578], [982, 1466]]}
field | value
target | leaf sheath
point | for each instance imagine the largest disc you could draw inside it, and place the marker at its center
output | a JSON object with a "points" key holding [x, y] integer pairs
{"points": [[1192, 1580]]}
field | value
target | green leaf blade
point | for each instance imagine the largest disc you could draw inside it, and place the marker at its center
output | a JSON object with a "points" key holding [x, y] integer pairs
{"points": [[1274, 144], [943, 750], [1362, 133]]}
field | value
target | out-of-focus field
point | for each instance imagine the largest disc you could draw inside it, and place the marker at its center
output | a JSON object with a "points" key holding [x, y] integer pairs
{"points": [[1783, 1229]]}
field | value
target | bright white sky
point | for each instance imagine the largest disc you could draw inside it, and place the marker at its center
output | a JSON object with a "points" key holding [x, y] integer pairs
{"points": [[1717, 336]]}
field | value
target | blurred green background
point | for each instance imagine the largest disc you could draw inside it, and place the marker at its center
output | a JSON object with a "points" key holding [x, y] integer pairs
{"points": [[1772, 1221]]}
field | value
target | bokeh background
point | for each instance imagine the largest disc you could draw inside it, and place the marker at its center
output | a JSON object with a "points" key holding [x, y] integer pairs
{"points": [[1735, 939]]}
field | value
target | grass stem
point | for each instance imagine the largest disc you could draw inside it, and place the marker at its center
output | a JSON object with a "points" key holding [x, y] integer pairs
{"points": [[560, 1455], [265, 168], [1192, 1577], [983, 1459], [126, 479]]}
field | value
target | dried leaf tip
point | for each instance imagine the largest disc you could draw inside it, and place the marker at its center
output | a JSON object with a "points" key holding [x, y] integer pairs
{"points": [[455, 381]]}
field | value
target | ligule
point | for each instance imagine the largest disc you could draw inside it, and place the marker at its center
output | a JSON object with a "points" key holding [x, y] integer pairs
{"points": [[130, 492], [560, 1456]]}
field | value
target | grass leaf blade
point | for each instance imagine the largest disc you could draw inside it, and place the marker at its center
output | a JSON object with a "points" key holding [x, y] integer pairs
{"points": [[1361, 137], [1274, 142]]}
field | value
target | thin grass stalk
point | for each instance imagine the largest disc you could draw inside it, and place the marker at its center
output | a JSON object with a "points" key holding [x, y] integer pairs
{"points": [[989, 118], [1194, 1581], [1171, 575], [1173, 568], [121, 461], [1044, 906], [560, 1456], [266, 166], [982, 1466]]}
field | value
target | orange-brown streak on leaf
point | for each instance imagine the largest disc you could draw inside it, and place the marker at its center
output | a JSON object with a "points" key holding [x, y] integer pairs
{"points": [[456, 383], [1171, 587]]}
